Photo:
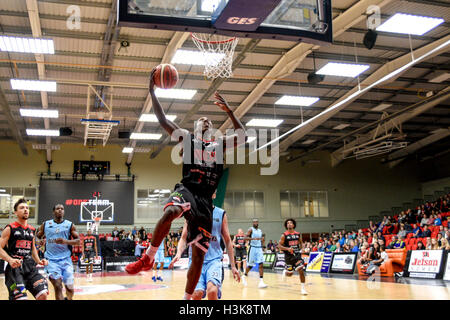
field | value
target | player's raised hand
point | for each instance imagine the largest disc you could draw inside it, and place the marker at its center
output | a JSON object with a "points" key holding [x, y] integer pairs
{"points": [[152, 81], [221, 102]]}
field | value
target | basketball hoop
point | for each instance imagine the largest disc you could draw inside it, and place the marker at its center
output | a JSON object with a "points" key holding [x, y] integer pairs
{"points": [[217, 53]]}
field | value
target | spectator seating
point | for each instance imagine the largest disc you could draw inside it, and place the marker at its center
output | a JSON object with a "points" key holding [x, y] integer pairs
{"points": [[395, 263]]}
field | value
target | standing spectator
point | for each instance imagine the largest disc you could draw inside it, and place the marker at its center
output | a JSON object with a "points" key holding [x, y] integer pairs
{"points": [[138, 249], [115, 233], [134, 232], [142, 233]]}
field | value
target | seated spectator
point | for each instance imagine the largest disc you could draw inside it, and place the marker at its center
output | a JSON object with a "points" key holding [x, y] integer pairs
{"points": [[270, 246], [442, 230], [431, 220], [447, 235], [424, 220], [353, 246], [320, 247], [381, 258], [417, 232], [428, 244], [426, 232], [402, 233], [332, 246], [444, 206], [420, 245], [338, 247], [444, 244], [434, 244], [438, 221], [397, 243], [439, 239], [341, 240], [408, 228]]}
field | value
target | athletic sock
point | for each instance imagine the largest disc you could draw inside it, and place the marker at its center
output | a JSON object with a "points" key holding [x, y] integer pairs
{"points": [[187, 296], [151, 251]]}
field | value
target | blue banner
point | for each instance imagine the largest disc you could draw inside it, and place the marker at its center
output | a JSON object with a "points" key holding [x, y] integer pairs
{"points": [[326, 262]]}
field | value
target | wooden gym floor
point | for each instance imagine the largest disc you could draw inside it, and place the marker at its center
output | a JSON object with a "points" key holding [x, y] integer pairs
{"points": [[120, 286]]}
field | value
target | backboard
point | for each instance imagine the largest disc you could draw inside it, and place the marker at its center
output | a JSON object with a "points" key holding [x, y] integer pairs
{"points": [[292, 20]]}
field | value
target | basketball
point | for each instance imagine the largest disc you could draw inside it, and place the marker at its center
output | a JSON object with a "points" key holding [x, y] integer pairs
{"points": [[165, 76]]}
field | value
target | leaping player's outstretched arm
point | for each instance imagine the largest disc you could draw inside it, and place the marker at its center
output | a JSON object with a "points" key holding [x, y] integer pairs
{"points": [[181, 246], [168, 125], [229, 245], [231, 141]]}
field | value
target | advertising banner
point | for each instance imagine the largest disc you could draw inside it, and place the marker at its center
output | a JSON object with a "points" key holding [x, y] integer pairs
{"points": [[96, 267], [315, 261], [343, 262], [425, 264], [326, 262], [447, 267]]}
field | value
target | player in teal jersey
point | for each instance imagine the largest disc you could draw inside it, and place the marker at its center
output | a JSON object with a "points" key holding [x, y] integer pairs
{"points": [[60, 235]]}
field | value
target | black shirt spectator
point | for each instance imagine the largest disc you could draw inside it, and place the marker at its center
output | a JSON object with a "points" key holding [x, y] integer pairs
{"points": [[426, 233], [115, 233]]}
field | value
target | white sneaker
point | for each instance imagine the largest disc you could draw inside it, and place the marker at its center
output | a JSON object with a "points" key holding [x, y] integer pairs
{"points": [[262, 284], [244, 281], [303, 291]]}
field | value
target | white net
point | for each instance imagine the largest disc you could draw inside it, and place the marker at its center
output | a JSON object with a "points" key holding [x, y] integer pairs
{"points": [[217, 52]]}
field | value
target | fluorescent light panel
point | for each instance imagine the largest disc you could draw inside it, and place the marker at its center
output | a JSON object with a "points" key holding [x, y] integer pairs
{"points": [[26, 45], [149, 117], [33, 85], [5, 195], [196, 57], [127, 150], [409, 24], [297, 100], [209, 5], [145, 136], [264, 123], [339, 69], [341, 126], [381, 106], [43, 132], [39, 113], [183, 94]]}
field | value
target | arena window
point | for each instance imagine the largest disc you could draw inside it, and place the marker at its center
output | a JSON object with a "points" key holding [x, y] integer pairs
{"points": [[244, 204], [304, 204]]}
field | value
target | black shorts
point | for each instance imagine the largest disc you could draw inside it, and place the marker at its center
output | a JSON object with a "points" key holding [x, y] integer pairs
{"points": [[240, 254], [197, 210], [89, 256], [293, 261], [23, 278]]}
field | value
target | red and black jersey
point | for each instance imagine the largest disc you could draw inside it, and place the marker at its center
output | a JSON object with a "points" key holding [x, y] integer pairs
{"points": [[201, 169], [240, 240], [292, 240], [20, 241], [88, 243]]}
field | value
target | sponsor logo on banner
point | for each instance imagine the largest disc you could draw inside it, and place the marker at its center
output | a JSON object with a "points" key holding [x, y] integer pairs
{"points": [[315, 261], [326, 262], [447, 268], [427, 261]]}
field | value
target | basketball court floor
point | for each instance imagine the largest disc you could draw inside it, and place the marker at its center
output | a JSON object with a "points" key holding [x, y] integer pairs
{"points": [[120, 286]]}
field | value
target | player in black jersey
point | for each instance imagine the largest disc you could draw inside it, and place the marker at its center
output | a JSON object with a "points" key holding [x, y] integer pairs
{"points": [[89, 252], [202, 170], [18, 249], [240, 251], [291, 244]]}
